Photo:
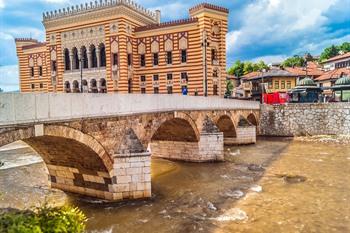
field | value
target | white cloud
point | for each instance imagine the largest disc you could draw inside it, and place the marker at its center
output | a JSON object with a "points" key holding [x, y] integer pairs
{"points": [[174, 10], [9, 78], [269, 22], [270, 59], [2, 4]]}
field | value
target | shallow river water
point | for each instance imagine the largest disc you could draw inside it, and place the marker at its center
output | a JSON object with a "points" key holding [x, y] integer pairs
{"points": [[305, 188]]}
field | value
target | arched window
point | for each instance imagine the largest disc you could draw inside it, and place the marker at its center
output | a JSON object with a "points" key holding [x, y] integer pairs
{"points": [[75, 58], [93, 86], [84, 57], [67, 87], [66, 60], [93, 56], [102, 55], [85, 86], [75, 86], [103, 88]]}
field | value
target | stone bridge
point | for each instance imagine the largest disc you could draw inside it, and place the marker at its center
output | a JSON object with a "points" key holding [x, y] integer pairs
{"points": [[101, 145]]}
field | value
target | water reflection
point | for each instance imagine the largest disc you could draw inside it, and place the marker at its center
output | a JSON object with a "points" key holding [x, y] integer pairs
{"points": [[221, 197]]}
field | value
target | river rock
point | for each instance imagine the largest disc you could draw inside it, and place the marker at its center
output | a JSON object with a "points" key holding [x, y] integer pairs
{"points": [[256, 188], [255, 168], [211, 206]]}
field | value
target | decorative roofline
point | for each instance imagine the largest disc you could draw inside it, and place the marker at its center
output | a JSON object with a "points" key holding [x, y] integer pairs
{"points": [[26, 40], [209, 6], [166, 24], [102, 4], [32, 46]]}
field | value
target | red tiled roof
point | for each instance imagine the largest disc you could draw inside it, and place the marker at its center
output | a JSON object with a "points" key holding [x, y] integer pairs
{"points": [[275, 72], [339, 57], [312, 69], [334, 74], [252, 75]]}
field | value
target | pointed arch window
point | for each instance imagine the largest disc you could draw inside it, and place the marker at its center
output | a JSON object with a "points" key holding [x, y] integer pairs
{"points": [[66, 60], [84, 57], [75, 58], [93, 56], [102, 55]]}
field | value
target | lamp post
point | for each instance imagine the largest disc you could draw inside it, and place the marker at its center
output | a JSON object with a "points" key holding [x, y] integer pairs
{"points": [[81, 60], [262, 86], [205, 44]]}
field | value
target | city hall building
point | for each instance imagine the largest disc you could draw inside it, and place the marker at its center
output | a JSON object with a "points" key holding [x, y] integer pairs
{"points": [[118, 46]]}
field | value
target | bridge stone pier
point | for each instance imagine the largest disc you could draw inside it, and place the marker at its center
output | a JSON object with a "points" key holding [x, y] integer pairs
{"points": [[101, 145]]}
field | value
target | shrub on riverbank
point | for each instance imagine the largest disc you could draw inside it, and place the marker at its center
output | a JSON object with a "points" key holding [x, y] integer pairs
{"points": [[45, 219]]}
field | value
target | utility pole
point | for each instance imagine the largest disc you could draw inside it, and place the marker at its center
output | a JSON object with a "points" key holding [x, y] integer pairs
{"points": [[205, 44]]}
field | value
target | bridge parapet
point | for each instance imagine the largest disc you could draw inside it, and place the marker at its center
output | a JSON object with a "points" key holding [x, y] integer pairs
{"points": [[17, 108]]}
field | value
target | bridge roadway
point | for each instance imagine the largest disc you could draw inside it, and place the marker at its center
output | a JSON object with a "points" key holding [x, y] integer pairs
{"points": [[100, 145]]}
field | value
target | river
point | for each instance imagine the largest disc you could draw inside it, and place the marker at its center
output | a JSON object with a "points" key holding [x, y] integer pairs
{"points": [[305, 188]]}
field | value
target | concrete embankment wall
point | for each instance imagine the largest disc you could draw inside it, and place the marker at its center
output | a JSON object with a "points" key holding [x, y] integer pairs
{"points": [[305, 119]]}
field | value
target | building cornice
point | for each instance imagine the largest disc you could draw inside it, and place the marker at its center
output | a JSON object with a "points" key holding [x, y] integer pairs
{"points": [[166, 24], [95, 6], [208, 6], [96, 16], [38, 45]]}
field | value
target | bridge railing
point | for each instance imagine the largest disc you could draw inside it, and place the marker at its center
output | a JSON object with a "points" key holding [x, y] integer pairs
{"points": [[17, 108]]}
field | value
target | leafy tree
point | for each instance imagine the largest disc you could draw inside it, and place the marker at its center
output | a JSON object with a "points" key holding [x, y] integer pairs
{"points": [[241, 68], [1, 90], [345, 47], [294, 61], [44, 219], [248, 67], [329, 52], [237, 69], [229, 88], [261, 66]]}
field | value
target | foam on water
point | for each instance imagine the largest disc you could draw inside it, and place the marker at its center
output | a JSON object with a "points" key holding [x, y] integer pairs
{"points": [[234, 214]]}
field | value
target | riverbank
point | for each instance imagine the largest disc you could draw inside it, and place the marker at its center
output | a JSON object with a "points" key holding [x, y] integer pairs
{"points": [[250, 191]]}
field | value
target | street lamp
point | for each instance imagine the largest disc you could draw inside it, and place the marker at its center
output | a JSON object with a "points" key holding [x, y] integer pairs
{"points": [[205, 44], [81, 60], [262, 85]]}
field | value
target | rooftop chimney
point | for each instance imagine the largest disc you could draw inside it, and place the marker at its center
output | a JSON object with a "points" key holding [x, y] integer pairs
{"points": [[158, 16]]}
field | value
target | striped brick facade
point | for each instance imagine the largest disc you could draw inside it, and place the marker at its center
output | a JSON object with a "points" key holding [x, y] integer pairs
{"points": [[117, 29]]}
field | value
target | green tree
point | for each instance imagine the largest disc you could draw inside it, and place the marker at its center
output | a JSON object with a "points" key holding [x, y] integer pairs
{"points": [[345, 47], [294, 61], [261, 66], [329, 52], [237, 69], [248, 67], [229, 88], [1, 90], [242, 68]]}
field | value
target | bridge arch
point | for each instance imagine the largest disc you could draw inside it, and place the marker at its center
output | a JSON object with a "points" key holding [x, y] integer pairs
{"points": [[253, 119], [176, 137], [75, 161], [226, 124]]}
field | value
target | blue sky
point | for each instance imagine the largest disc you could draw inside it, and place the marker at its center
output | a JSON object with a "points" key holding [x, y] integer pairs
{"points": [[268, 30]]}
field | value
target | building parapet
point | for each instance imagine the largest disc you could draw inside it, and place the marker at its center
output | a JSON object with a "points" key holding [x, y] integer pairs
{"points": [[208, 6], [166, 24], [37, 45], [28, 108], [102, 4], [26, 40]]}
